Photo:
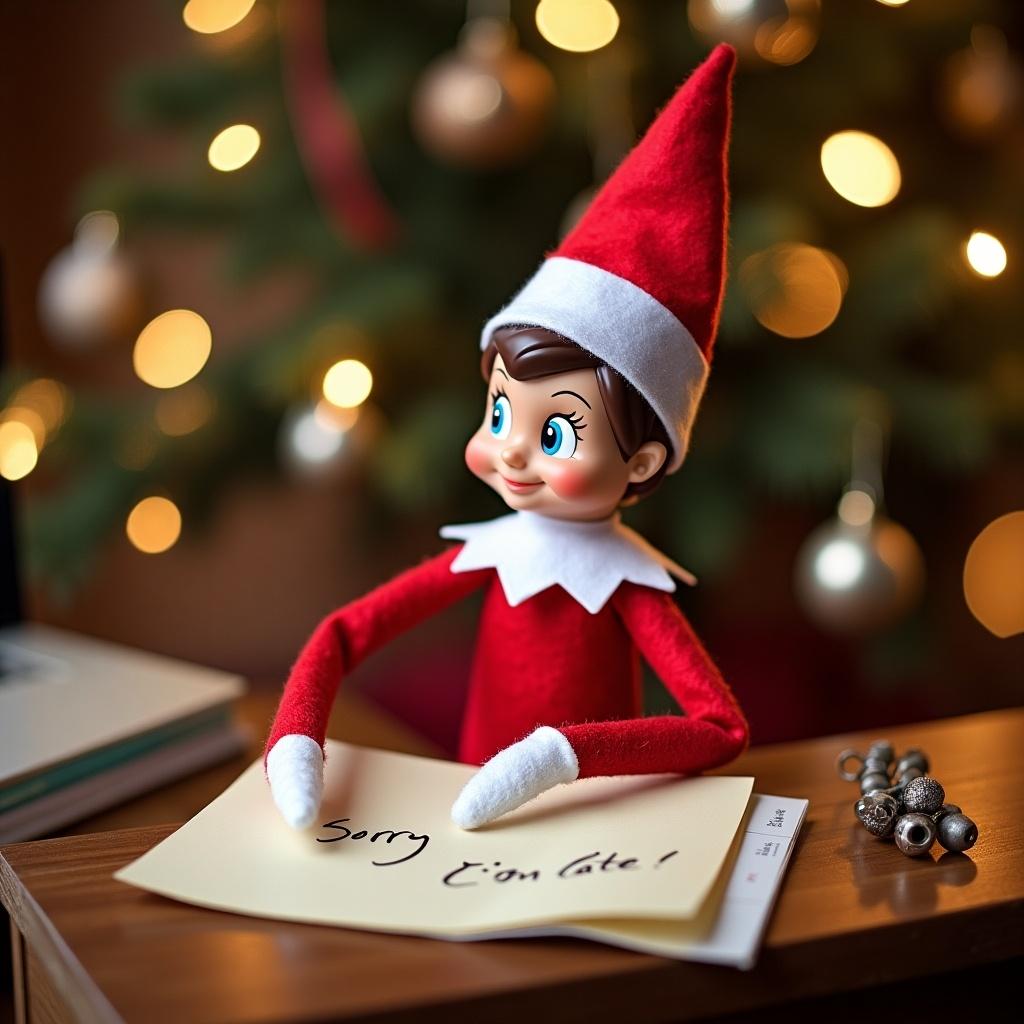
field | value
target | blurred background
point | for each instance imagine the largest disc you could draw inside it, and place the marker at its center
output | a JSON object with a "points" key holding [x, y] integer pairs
{"points": [[247, 249]]}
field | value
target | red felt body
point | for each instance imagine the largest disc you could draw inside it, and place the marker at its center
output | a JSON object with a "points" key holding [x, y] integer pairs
{"points": [[545, 662]]}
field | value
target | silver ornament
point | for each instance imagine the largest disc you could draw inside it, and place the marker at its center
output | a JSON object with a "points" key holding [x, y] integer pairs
{"points": [[909, 774], [856, 579], [878, 812], [915, 834], [487, 103], [91, 293], [876, 764], [956, 832]]}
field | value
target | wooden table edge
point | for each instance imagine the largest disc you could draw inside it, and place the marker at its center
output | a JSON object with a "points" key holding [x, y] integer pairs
{"points": [[68, 975], [660, 979]]}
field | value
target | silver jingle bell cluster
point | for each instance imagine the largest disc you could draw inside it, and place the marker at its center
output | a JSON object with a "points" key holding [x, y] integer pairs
{"points": [[912, 811]]}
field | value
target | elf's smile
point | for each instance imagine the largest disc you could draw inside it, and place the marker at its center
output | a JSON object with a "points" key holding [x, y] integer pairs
{"points": [[520, 487]]}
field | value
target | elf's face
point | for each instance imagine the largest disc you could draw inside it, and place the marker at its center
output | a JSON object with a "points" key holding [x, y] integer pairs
{"points": [[546, 446]]}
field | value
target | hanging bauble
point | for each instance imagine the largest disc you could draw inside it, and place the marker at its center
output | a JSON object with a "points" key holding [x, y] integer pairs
{"points": [[486, 104], [763, 31], [983, 85], [91, 291], [322, 441], [860, 571]]}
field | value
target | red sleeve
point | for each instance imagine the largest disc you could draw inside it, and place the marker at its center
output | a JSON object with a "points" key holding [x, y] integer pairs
{"points": [[347, 636], [713, 730]]}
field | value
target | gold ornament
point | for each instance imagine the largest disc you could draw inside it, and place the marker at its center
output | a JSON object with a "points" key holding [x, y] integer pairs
{"points": [[486, 104]]}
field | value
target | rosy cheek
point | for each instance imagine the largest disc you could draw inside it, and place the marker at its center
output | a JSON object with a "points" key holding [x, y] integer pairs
{"points": [[569, 480], [478, 456]]}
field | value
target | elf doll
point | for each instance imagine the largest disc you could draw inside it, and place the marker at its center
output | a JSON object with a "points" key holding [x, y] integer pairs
{"points": [[594, 373]]}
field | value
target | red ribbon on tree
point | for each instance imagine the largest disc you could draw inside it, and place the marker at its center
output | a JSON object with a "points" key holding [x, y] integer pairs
{"points": [[327, 134]]}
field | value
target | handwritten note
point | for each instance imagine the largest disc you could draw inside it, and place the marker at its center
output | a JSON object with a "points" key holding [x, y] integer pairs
{"points": [[384, 854]]}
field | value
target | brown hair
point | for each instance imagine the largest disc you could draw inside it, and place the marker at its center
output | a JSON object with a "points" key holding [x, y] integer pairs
{"points": [[532, 352]]}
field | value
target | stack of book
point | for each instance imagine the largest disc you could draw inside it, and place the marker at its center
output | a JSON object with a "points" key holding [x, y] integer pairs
{"points": [[86, 724]]}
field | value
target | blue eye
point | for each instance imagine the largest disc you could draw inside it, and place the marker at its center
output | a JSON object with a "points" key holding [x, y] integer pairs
{"points": [[501, 417], [558, 438]]}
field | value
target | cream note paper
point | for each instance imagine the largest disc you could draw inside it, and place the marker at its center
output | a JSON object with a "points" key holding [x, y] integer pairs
{"points": [[386, 856]]}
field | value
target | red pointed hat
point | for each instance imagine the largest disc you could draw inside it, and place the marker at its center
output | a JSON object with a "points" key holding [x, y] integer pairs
{"points": [[638, 282]]}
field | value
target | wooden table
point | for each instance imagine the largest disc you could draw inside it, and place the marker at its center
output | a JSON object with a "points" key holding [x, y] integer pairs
{"points": [[853, 913]]}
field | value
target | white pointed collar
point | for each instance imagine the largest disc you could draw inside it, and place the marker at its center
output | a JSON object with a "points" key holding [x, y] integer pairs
{"points": [[588, 560]]}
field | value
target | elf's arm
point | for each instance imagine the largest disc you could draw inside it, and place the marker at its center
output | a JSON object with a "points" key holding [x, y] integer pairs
{"points": [[294, 752], [712, 732]]}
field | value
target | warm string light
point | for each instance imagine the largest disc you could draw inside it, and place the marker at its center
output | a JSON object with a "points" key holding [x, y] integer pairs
{"points": [[183, 410], [211, 16], [579, 26], [347, 384], [154, 525], [234, 147], [861, 168], [35, 412], [780, 32], [985, 254], [172, 349], [993, 576], [18, 450], [794, 290]]}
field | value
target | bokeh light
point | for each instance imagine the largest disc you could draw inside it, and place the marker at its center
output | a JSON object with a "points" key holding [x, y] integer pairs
{"points": [[985, 254], [781, 32], [99, 230], [839, 564], [577, 25], [172, 349], [861, 168], [30, 418], [311, 440], [184, 410], [786, 43], [348, 383], [18, 450], [994, 576], [154, 525], [794, 290], [234, 147], [856, 508], [209, 16], [48, 398], [893, 3]]}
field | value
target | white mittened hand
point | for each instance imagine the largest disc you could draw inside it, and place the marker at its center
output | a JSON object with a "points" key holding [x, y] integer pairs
{"points": [[295, 768], [514, 775]]}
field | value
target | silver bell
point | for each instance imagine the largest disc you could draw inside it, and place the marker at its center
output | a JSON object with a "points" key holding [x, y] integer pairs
{"points": [[924, 795], [957, 832], [878, 813], [915, 834]]}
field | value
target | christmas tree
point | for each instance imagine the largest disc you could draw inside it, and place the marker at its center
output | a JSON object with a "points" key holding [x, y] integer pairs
{"points": [[412, 169]]}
